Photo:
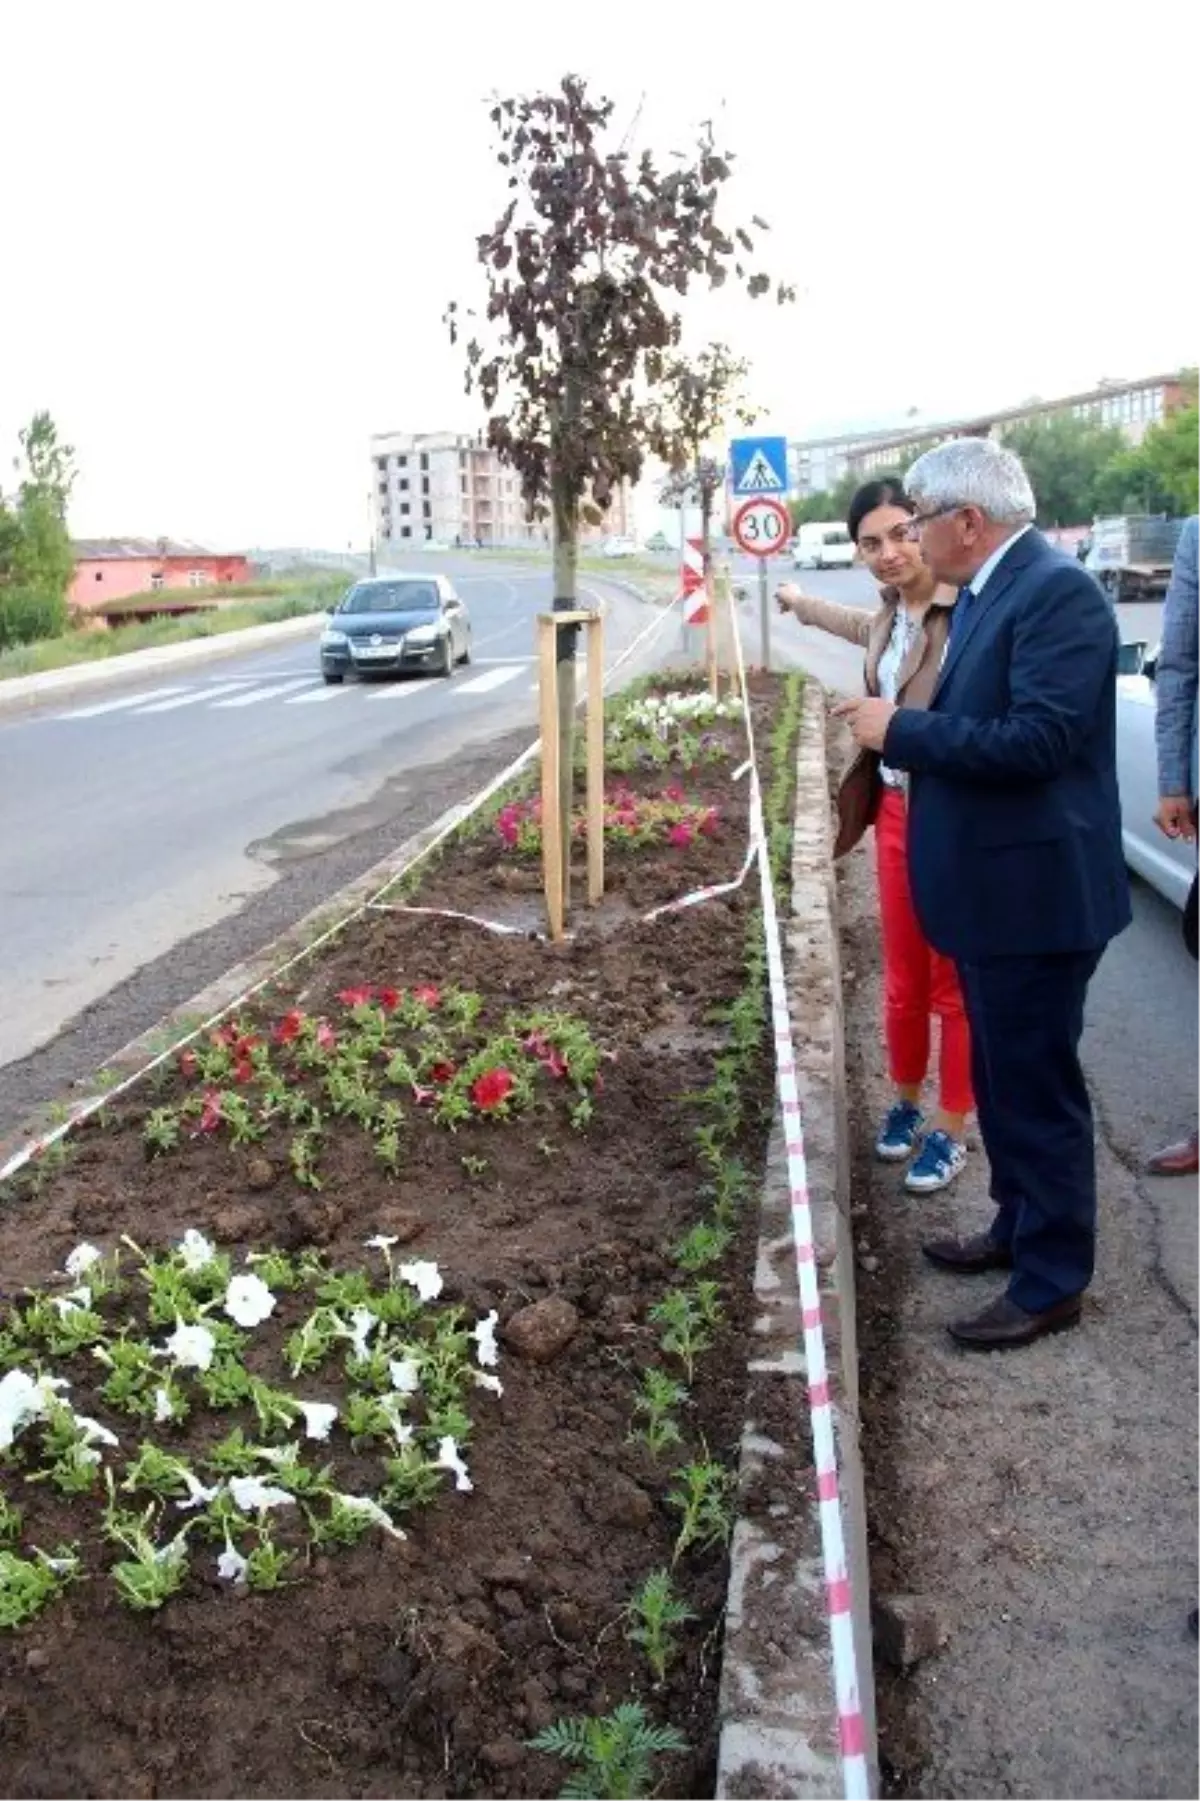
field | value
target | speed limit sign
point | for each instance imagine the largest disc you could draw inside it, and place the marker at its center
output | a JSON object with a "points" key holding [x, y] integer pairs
{"points": [[762, 526]]}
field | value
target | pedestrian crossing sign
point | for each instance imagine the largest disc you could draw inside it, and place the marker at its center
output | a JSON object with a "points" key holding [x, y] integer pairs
{"points": [[759, 465]]}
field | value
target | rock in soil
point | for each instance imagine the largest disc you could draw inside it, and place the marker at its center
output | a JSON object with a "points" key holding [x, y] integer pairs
{"points": [[907, 1629], [240, 1225], [503, 1753], [540, 1332], [401, 1223], [260, 1173]]}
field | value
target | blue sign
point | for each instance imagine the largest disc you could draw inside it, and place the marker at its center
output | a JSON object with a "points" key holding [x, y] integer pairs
{"points": [[759, 465]]}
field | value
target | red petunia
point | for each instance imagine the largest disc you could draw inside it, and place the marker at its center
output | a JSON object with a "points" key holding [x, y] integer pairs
{"points": [[187, 1063], [442, 1072], [673, 793], [389, 998], [709, 822], [556, 1063], [356, 997], [428, 996], [424, 1097], [225, 1035], [289, 1027], [492, 1089], [680, 835], [211, 1115], [326, 1036]]}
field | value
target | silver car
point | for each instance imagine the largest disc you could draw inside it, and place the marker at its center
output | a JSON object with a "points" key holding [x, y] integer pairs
{"points": [[1168, 864]]}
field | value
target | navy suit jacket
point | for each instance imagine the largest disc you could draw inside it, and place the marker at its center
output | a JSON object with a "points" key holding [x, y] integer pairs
{"points": [[1014, 833]]}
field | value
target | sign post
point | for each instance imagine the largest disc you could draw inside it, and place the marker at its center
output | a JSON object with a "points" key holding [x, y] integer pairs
{"points": [[762, 524], [761, 528]]}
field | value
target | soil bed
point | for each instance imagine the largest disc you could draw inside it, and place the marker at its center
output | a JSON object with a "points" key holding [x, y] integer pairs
{"points": [[421, 1665]]}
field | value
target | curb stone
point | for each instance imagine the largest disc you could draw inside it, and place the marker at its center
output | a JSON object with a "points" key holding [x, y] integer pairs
{"points": [[778, 1720], [26, 690]]}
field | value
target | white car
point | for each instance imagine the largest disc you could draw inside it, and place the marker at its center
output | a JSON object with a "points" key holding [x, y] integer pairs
{"points": [[1168, 864], [619, 547], [827, 546]]}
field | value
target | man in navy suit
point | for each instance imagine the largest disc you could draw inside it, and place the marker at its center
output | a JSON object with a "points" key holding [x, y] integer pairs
{"points": [[1014, 839]]}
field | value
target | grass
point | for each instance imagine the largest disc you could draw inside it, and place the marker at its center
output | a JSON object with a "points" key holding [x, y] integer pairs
{"points": [[271, 602]]}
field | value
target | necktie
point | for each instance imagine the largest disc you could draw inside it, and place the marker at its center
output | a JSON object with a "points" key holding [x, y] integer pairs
{"points": [[966, 600]]}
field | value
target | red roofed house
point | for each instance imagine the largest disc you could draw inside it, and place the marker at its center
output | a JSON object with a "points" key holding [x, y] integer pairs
{"points": [[108, 569]]}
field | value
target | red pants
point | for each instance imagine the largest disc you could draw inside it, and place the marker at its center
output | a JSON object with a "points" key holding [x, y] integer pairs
{"points": [[917, 980]]}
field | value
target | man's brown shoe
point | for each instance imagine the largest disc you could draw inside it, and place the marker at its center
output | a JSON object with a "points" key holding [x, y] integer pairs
{"points": [[1181, 1159], [1006, 1327], [968, 1256]]}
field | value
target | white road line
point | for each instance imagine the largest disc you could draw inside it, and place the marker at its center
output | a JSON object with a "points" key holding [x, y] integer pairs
{"points": [[115, 706], [494, 678], [327, 691], [508, 661], [257, 694], [397, 690], [191, 700]]}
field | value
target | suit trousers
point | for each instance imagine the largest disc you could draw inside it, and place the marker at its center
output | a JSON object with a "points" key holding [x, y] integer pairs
{"points": [[1035, 1118]]}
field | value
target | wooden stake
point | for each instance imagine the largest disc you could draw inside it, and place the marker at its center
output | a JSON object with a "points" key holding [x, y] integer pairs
{"points": [[595, 759], [710, 633], [552, 839]]}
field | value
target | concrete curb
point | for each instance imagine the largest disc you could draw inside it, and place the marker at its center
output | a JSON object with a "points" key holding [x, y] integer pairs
{"points": [[778, 1718], [59, 684]]}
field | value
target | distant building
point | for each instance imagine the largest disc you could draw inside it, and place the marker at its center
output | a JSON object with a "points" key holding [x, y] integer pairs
{"points": [[451, 487], [108, 569], [1132, 406]]}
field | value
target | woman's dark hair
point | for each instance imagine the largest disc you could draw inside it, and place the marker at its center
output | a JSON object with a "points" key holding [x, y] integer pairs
{"points": [[886, 493]]}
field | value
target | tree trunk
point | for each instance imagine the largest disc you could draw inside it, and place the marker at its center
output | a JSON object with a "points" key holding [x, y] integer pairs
{"points": [[566, 599]]}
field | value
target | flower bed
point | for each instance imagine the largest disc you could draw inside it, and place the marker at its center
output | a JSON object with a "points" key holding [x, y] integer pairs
{"points": [[403, 1325]]}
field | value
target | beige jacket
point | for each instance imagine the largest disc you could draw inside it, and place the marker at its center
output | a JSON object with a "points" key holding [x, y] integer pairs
{"points": [[858, 796]]}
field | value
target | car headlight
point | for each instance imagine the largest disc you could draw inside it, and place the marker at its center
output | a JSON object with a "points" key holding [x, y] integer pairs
{"points": [[329, 636], [422, 634]]}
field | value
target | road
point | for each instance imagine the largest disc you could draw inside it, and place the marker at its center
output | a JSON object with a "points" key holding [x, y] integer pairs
{"points": [[150, 829]]}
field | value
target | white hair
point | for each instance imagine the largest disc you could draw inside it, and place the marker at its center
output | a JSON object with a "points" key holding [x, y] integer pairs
{"points": [[973, 472]]}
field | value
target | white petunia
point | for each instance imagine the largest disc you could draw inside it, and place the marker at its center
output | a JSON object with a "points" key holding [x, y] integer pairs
{"points": [[22, 1398], [94, 1433], [425, 1278], [231, 1565], [382, 1241], [195, 1250], [406, 1375], [250, 1495], [198, 1495], [191, 1347], [484, 1379], [81, 1259], [362, 1323], [75, 1302], [393, 1406], [484, 1334], [318, 1418], [364, 1504], [449, 1459], [164, 1406], [248, 1300], [61, 1566]]}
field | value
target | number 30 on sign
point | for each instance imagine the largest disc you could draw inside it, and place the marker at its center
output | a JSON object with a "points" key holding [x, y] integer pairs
{"points": [[761, 527]]}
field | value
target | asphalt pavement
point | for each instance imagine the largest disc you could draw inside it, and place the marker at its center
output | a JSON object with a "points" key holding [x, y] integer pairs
{"points": [[137, 820]]}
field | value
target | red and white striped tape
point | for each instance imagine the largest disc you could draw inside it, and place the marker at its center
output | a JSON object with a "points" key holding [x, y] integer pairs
{"points": [[471, 919], [852, 1728]]}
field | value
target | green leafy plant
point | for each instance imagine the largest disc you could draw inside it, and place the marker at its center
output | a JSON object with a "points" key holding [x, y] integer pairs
{"points": [[28, 1583], [685, 1333], [703, 1498], [653, 1615], [267, 1563], [161, 1131], [654, 1406], [411, 1481], [705, 1244], [614, 1755]]}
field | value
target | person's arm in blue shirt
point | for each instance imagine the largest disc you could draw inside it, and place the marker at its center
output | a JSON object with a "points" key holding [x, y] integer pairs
{"points": [[1063, 649], [1176, 676]]}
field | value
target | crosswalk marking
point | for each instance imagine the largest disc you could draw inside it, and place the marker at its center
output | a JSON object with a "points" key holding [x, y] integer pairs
{"points": [[114, 706], [327, 691], [191, 700], [397, 691], [257, 694], [491, 678]]}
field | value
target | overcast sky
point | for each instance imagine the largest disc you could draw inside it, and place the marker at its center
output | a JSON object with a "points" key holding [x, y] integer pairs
{"points": [[231, 229]]}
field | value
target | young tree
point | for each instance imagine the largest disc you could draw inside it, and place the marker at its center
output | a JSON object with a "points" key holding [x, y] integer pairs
{"points": [[1159, 475], [585, 269], [35, 551], [1064, 458], [700, 394]]}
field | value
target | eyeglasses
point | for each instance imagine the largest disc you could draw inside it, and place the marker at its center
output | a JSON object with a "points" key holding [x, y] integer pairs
{"points": [[913, 529]]}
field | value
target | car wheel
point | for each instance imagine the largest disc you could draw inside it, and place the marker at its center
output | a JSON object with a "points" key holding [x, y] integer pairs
{"points": [[446, 667], [466, 655], [333, 680]]}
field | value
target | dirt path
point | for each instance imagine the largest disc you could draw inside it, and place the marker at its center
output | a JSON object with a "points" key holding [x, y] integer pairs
{"points": [[1043, 1501]]}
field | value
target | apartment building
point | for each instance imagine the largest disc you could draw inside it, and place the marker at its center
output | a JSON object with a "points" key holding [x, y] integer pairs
{"points": [[446, 486]]}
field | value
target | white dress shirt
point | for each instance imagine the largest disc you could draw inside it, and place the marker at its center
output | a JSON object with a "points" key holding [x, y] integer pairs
{"points": [[988, 569]]}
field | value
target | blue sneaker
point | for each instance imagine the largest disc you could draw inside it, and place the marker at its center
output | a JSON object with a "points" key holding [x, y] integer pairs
{"points": [[899, 1133], [942, 1158]]}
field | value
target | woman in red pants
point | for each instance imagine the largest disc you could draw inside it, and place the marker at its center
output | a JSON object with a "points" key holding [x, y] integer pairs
{"points": [[904, 642]]}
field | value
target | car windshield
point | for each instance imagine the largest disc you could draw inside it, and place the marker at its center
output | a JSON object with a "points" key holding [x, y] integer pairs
{"points": [[391, 597]]}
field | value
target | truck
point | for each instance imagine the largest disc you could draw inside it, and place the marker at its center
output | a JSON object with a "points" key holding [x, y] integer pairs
{"points": [[1131, 555], [825, 545]]}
